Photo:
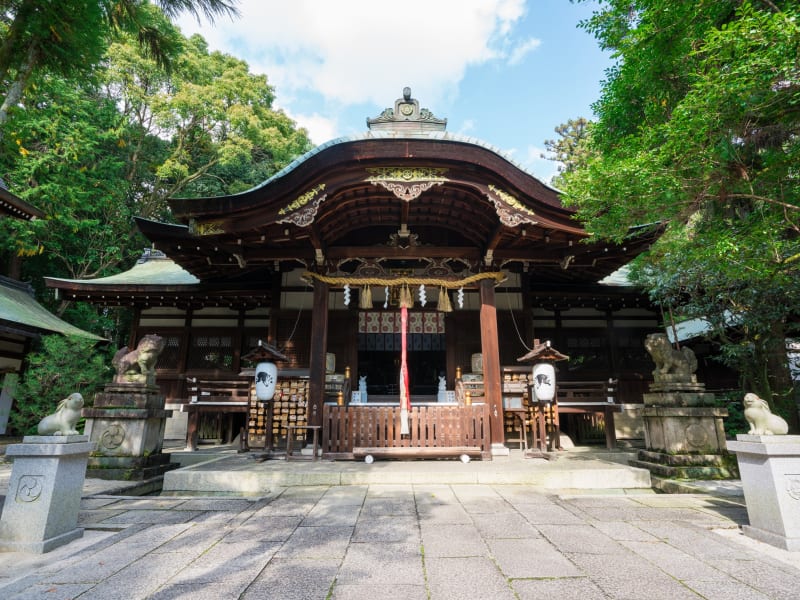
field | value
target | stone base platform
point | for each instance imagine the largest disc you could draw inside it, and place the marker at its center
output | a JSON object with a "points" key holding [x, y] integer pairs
{"points": [[687, 466], [127, 468], [578, 469]]}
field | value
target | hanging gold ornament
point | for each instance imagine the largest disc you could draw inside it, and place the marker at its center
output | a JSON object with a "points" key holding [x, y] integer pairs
{"points": [[406, 299], [444, 301], [365, 299]]}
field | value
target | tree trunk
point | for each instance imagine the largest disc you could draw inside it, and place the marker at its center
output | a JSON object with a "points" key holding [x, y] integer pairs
{"points": [[15, 31], [14, 267], [18, 87]]}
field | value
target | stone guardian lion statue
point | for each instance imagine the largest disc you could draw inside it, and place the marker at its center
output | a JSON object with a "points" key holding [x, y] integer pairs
{"points": [[139, 366], [682, 363], [761, 419], [65, 419]]}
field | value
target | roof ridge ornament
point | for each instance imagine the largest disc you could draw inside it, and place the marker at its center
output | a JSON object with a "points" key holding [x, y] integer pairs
{"points": [[150, 254], [407, 117]]}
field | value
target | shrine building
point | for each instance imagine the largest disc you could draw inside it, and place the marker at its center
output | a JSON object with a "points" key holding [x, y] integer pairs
{"points": [[320, 260]]}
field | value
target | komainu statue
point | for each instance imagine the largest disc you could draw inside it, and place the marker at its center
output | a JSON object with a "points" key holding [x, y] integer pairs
{"points": [[761, 419], [139, 366], [669, 361], [65, 419]]}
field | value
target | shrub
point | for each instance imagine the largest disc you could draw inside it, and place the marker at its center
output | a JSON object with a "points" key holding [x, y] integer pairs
{"points": [[61, 366], [735, 421]]}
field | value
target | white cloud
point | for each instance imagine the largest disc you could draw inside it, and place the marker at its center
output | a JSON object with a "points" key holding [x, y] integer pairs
{"points": [[542, 168], [320, 129], [466, 127], [355, 51], [522, 50]]}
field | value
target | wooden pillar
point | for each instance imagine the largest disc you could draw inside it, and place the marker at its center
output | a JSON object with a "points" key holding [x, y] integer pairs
{"points": [[183, 356], [491, 365], [319, 344], [134, 334], [237, 341], [611, 341], [274, 307], [272, 335], [527, 308], [451, 346]]}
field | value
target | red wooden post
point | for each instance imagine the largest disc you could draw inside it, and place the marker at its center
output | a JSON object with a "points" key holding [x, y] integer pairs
{"points": [[491, 362], [319, 345]]}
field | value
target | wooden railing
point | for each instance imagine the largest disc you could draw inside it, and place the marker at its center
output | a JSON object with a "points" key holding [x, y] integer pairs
{"points": [[214, 402], [435, 427], [586, 392], [593, 401], [220, 390]]}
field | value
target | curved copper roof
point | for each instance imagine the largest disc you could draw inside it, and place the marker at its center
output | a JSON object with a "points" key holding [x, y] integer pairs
{"points": [[405, 192]]}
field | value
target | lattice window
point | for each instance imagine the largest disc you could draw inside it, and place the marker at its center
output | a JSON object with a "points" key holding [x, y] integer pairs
{"points": [[250, 338], [631, 353], [169, 357], [210, 352], [587, 352], [390, 342]]}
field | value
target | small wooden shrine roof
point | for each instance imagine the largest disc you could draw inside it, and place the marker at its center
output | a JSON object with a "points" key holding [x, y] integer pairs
{"points": [[156, 280], [542, 352], [264, 352]]}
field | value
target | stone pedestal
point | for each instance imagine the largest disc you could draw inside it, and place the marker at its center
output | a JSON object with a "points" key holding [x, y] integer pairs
{"points": [[500, 450], [684, 433], [770, 472], [127, 423], [44, 493], [684, 429]]}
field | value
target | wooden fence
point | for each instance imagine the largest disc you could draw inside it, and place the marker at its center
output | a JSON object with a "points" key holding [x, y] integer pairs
{"points": [[348, 427]]}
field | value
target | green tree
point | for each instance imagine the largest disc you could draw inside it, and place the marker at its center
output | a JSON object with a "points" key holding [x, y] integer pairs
{"points": [[697, 132], [205, 128], [65, 38], [570, 148], [95, 151], [63, 154], [63, 365]]}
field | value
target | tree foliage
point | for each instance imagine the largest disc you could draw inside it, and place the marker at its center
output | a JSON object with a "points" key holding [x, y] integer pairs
{"points": [[697, 130], [69, 38], [94, 150], [63, 365], [570, 149]]}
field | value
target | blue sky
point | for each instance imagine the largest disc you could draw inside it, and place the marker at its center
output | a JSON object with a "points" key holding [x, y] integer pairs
{"points": [[504, 71]]}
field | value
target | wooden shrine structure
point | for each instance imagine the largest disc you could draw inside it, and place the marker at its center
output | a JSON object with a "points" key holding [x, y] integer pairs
{"points": [[316, 260]]}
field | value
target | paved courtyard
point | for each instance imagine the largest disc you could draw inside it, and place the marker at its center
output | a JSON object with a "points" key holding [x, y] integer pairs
{"points": [[412, 542]]}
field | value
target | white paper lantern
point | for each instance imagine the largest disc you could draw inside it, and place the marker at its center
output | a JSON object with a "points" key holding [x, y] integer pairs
{"points": [[266, 379], [544, 382]]}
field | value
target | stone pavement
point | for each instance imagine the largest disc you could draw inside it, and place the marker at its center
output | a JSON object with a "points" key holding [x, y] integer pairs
{"points": [[410, 541]]}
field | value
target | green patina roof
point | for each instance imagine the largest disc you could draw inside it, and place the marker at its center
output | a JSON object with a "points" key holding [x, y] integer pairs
{"points": [[17, 306], [153, 269]]}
